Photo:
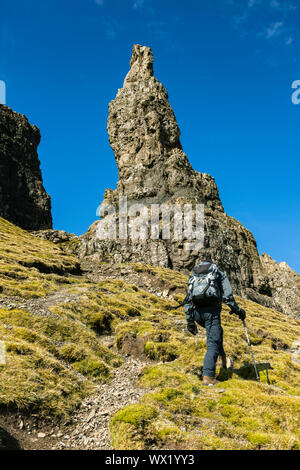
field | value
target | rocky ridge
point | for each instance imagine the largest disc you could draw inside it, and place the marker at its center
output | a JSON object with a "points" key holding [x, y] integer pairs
{"points": [[23, 199]]}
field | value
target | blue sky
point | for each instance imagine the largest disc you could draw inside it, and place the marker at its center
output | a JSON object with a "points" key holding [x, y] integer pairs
{"points": [[228, 66]]}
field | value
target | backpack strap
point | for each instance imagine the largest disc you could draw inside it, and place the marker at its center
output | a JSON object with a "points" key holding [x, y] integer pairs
{"points": [[190, 283], [181, 304]]}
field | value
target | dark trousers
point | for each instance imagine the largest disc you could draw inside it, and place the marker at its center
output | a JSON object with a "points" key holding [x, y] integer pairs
{"points": [[210, 318]]}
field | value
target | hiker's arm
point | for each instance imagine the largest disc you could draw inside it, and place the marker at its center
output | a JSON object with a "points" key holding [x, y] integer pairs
{"points": [[228, 298], [188, 310]]}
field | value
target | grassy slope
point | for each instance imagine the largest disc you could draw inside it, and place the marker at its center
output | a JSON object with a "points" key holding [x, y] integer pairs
{"points": [[182, 413], [52, 360], [55, 360]]}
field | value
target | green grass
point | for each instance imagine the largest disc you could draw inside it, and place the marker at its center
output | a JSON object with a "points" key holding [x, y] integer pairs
{"points": [[246, 415], [31, 267], [53, 361]]}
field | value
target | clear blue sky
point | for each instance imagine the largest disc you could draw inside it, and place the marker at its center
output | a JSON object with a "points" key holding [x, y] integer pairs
{"points": [[228, 66]]}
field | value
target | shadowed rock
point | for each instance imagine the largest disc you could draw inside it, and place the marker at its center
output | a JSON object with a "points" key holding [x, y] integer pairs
{"points": [[8, 442], [23, 199]]}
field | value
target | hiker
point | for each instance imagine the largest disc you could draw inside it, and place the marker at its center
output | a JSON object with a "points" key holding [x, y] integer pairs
{"points": [[208, 287]]}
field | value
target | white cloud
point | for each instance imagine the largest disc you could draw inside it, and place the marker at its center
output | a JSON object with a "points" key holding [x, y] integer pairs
{"points": [[282, 5], [279, 30], [275, 4], [239, 20], [274, 30], [2, 92], [110, 29], [268, 19], [252, 3], [138, 4], [289, 40]]}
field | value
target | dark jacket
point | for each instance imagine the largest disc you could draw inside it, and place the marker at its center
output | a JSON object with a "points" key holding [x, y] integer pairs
{"points": [[225, 289]]}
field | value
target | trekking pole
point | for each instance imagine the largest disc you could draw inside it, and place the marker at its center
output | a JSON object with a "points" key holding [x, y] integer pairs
{"points": [[249, 344]]}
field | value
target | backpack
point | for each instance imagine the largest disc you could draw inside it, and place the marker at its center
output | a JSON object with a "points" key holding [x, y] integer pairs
{"points": [[204, 285]]}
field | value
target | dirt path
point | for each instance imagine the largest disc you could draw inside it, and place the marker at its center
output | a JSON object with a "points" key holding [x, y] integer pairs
{"points": [[88, 428], [90, 424], [40, 305]]}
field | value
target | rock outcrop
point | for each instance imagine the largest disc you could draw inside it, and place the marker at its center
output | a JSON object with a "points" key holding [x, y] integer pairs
{"points": [[153, 169], [145, 137], [283, 285], [23, 199]]}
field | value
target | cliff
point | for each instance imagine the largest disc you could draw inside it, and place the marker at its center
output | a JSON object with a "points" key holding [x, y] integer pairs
{"points": [[23, 199]]}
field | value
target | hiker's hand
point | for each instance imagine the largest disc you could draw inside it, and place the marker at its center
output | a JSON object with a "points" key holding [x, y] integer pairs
{"points": [[192, 328], [241, 314]]}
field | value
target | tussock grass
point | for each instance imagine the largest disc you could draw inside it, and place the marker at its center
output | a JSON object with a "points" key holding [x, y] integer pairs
{"points": [[29, 266], [240, 413], [54, 360], [51, 363], [174, 278]]}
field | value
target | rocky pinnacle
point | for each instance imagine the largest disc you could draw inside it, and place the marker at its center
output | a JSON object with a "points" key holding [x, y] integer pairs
{"points": [[145, 137], [153, 169]]}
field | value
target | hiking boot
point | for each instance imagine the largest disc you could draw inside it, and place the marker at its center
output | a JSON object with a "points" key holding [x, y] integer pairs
{"points": [[210, 380]]}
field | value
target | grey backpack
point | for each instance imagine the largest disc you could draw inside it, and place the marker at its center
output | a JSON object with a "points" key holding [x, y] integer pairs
{"points": [[204, 285]]}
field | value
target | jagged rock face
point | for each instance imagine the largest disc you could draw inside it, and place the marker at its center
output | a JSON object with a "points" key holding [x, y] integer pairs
{"points": [[23, 199], [144, 135], [283, 284], [68, 242]]}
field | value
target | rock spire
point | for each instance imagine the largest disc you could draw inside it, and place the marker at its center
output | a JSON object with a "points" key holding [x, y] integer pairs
{"points": [[153, 169]]}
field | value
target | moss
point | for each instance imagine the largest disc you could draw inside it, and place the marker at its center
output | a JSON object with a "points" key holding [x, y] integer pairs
{"points": [[93, 368], [72, 352], [211, 404], [125, 436], [132, 312], [165, 431], [172, 278], [258, 439], [164, 352], [130, 427], [160, 376], [90, 310], [167, 394], [136, 414]]}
